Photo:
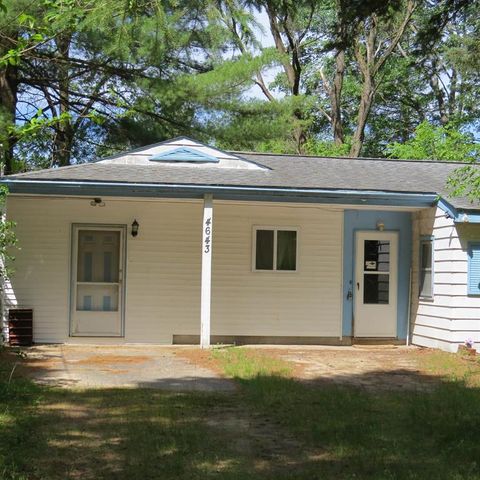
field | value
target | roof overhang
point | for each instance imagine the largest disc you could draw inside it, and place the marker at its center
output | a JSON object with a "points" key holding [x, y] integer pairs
{"points": [[459, 215], [224, 192]]}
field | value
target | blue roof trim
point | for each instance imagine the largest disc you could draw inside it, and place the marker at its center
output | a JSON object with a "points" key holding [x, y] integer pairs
{"points": [[183, 154], [459, 215], [277, 194]]}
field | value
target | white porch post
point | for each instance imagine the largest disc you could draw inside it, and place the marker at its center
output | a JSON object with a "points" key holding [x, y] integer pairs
{"points": [[206, 286]]}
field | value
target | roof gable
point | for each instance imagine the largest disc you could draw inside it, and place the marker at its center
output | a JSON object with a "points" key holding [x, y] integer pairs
{"points": [[183, 154]]}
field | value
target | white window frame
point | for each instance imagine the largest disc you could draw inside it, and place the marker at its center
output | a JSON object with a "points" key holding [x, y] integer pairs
{"points": [[276, 229], [426, 239]]}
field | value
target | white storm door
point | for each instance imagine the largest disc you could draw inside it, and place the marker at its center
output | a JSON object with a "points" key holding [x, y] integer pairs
{"points": [[376, 277], [97, 281]]}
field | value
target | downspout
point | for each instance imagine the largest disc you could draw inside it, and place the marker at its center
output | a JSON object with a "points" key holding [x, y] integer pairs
{"points": [[409, 315]]}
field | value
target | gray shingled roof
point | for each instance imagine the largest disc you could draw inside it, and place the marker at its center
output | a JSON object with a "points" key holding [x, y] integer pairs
{"points": [[289, 171]]}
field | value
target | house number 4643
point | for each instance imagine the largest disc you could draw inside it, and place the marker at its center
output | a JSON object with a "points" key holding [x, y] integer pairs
{"points": [[207, 231]]}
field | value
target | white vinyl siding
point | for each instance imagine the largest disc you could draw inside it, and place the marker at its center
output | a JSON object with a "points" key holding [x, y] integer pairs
{"points": [[452, 316], [307, 303], [163, 268]]}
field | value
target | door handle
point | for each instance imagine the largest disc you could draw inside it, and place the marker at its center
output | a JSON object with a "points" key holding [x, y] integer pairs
{"points": [[358, 285]]}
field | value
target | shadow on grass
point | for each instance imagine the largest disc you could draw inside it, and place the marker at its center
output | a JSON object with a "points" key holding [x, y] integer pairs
{"points": [[274, 427]]}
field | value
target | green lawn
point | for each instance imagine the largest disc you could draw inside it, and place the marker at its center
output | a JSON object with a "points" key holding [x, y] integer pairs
{"points": [[273, 428]]}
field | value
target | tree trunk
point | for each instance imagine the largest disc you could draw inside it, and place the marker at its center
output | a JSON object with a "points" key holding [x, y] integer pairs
{"points": [[336, 97], [299, 135], [8, 105], [291, 67], [337, 85], [370, 62], [438, 93], [64, 134], [366, 101], [452, 96]]}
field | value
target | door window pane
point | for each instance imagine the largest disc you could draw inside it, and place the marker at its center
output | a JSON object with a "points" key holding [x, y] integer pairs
{"points": [[264, 250], [98, 256], [376, 256], [286, 250], [97, 298], [375, 288]]}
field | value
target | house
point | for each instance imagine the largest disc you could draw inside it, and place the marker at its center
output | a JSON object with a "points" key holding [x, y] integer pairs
{"points": [[180, 242]]}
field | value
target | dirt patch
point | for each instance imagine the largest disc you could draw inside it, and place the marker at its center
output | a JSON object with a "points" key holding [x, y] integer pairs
{"points": [[258, 437], [201, 358], [114, 371], [111, 360], [371, 367]]}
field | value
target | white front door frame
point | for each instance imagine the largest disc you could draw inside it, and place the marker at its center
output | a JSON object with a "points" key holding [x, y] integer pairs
{"points": [[74, 330], [371, 318]]}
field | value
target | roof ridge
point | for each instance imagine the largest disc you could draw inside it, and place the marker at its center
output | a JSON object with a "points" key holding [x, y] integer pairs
{"points": [[375, 159]]}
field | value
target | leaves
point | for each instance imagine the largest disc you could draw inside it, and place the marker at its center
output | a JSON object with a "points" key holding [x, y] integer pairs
{"points": [[446, 143], [8, 239]]}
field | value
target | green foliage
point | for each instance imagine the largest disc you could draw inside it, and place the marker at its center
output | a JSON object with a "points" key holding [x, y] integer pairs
{"points": [[327, 148], [141, 71], [8, 239], [446, 143], [465, 182], [258, 126]]}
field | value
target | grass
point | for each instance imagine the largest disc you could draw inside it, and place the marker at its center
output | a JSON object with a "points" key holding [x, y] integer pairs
{"points": [[273, 428], [397, 435]]}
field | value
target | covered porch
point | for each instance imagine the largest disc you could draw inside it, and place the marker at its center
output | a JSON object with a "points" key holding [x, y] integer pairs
{"points": [[190, 271]]}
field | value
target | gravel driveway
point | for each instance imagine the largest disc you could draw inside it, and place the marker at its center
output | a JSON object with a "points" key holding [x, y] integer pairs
{"points": [[120, 366]]}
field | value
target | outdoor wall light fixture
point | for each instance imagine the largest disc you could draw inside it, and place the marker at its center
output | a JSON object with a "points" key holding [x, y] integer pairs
{"points": [[97, 202], [380, 226], [135, 226]]}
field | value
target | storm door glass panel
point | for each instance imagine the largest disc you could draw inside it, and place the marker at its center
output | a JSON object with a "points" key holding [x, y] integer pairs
{"points": [[376, 272], [98, 270], [264, 250]]}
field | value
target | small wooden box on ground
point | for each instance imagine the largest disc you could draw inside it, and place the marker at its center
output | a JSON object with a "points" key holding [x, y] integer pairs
{"points": [[20, 326]]}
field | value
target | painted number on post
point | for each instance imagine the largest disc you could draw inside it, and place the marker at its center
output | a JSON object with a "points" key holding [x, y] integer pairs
{"points": [[207, 231]]}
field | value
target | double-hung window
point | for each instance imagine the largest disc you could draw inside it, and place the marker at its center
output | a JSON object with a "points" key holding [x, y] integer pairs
{"points": [[426, 268], [275, 249]]}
